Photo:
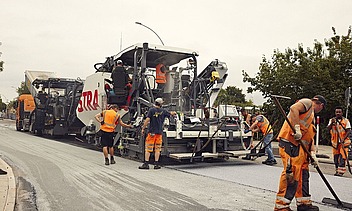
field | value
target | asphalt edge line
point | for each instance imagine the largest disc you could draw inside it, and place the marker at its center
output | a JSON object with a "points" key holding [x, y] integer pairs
{"points": [[11, 192]]}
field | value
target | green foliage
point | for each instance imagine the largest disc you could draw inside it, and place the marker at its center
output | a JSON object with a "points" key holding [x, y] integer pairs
{"points": [[232, 96], [11, 104], [326, 69], [23, 89], [1, 66], [2, 105]]}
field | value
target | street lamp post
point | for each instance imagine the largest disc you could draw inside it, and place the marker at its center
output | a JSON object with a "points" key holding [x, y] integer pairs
{"points": [[139, 23]]}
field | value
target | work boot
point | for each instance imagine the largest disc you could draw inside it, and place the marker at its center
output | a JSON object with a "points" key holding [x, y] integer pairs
{"points": [[2, 172], [271, 162], [338, 174], [156, 165], [264, 161], [107, 161], [309, 207], [112, 160], [283, 209], [144, 166], [274, 162]]}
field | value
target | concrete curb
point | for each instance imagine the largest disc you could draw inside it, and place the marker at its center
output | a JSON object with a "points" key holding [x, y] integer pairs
{"points": [[10, 200]]}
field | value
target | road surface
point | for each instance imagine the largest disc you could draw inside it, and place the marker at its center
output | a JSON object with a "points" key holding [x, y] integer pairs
{"points": [[57, 175]]}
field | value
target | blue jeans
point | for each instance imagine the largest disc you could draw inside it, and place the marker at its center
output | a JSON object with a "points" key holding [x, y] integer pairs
{"points": [[268, 149]]}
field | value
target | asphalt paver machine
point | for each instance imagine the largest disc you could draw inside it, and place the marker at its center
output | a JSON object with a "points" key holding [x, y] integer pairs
{"points": [[56, 100], [196, 133]]}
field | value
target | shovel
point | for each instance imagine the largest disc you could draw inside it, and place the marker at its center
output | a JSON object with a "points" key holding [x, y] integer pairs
{"points": [[337, 202]]}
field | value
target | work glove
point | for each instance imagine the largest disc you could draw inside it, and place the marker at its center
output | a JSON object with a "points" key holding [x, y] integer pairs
{"points": [[298, 135], [247, 131], [314, 160]]}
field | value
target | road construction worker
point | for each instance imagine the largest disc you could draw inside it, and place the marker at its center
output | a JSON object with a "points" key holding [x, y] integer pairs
{"points": [[261, 123], [294, 180], [340, 128], [160, 77], [246, 117], [119, 78], [156, 116], [109, 119]]}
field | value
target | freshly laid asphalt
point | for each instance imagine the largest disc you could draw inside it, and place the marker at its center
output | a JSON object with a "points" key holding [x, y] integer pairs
{"points": [[8, 183]]}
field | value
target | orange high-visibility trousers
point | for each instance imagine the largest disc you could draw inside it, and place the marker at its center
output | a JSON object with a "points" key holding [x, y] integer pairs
{"points": [[153, 142], [340, 150], [340, 156], [295, 157]]}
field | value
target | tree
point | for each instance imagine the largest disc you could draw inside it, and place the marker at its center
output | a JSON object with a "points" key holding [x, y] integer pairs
{"points": [[232, 96], [1, 65], [2, 105], [22, 89], [325, 69], [1, 62]]}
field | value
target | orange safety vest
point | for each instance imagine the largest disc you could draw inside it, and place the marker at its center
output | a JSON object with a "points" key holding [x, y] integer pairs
{"points": [[160, 76], [110, 118], [306, 122], [336, 131], [265, 126]]}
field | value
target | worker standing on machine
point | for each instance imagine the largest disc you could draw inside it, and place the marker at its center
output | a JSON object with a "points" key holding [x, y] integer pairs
{"points": [[160, 77], [156, 116], [294, 180], [340, 128], [109, 119]]}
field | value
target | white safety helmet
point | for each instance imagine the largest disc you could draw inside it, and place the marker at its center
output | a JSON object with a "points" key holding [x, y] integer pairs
{"points": [[159, 101]]}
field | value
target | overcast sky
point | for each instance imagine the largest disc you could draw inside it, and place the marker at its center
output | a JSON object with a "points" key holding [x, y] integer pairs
{"points": [[69, 36]]}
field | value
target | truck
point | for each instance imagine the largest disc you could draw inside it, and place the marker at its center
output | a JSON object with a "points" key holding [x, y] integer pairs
{"points": [[24, 105], [194, 134], [56, 100]]}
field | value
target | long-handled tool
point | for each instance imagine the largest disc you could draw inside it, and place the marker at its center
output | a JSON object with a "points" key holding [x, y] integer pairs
{"points": [[342, 143], [337, 202], [254, 154], [261, 152], [266, 133]]}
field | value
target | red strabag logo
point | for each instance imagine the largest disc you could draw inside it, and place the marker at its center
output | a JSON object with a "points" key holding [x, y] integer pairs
{"points": [[88, 101]]}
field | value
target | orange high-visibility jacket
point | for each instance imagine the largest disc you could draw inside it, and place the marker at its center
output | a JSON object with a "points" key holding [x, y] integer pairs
{"points": [[110, 118], [160, 75], [338, 131], [265, 126], [306, 122]]}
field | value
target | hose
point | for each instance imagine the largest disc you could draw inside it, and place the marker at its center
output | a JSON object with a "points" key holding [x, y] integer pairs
{"points": [[211, 138]]}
